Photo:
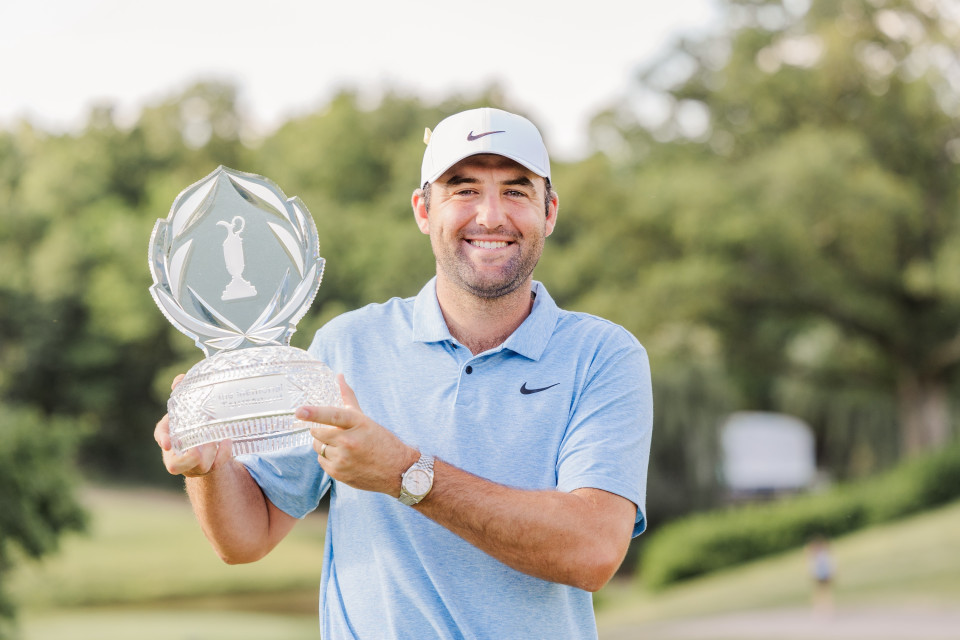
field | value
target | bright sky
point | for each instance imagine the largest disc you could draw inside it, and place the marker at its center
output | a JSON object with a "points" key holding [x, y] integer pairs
{"points": [[559, 61]]}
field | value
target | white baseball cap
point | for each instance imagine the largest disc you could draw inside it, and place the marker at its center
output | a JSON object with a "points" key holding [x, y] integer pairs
{"points": [[485, 130]]}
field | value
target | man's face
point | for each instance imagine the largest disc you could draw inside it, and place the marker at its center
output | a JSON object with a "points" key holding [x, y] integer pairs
{"points": [[487, 224]]}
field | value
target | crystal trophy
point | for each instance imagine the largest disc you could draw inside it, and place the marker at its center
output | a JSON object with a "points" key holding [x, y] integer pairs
{"points": [[235, 266]]}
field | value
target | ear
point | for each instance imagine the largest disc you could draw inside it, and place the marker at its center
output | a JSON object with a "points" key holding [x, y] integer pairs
{"points": [[552, 212], [420, 211]]}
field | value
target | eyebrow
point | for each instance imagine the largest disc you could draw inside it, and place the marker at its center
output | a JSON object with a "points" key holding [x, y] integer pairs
{"points": [[457, 180], [522, 181]]}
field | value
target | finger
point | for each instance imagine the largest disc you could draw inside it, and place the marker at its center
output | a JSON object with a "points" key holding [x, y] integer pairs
{"points": [[324, 452], [349, 397], [334, 416], [325, 433], [209, 454], [162, 433], [176, 380], [224, 453], [183, 462], [322, 448], [309, 413], [196, 461]]}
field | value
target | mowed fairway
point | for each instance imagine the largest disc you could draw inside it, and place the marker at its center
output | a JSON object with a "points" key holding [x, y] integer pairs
{"points": [[896, 581], [145, 571], [170, 624]]}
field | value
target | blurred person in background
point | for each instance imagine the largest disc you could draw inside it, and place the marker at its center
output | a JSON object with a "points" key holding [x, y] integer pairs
{"points": [[822, 571]]}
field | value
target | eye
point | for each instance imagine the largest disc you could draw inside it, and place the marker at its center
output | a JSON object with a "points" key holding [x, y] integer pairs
{"points": [[515, 193]]}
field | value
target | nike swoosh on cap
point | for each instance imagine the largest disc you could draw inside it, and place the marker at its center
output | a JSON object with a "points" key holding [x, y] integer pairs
{"points": [[471, 137], [525, 391]]}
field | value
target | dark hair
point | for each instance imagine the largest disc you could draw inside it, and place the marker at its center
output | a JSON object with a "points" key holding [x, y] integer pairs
{"points": [[546, 199]]}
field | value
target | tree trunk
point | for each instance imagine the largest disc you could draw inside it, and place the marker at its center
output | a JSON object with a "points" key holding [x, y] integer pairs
{"points": [[924, 413]]}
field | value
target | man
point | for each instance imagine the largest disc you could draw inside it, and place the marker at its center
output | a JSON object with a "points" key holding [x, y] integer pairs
{"points": [[489, 467]]}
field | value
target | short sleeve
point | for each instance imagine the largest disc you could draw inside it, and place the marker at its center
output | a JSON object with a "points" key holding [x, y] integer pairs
{"points": [[292, 479], [607, 442]]}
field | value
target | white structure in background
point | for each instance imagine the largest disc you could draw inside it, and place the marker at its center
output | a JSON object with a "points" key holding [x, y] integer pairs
{"points": [[767, 452]]}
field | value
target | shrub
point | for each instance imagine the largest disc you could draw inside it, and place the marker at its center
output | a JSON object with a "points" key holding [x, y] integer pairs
{"points": [[37, 486], [715, 540]]}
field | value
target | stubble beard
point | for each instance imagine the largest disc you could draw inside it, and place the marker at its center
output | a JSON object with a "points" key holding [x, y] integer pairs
{"points": [[458, 269]]}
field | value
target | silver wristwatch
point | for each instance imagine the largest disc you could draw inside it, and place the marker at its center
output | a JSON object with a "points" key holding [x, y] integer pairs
{"points": [[416, 482]]}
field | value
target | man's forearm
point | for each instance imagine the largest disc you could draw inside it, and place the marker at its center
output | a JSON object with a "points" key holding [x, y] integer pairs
{"points": [[577, 538], [241, 524]]}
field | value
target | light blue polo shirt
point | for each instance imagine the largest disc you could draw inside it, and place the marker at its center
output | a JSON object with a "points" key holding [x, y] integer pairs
{"points": [[564, 403]]}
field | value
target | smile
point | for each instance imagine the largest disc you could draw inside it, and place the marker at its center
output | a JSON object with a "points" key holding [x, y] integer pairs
{"points": [[488, 244]]}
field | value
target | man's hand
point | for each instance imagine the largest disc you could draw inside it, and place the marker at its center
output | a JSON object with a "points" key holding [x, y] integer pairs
{"points": [[577, 538], [356, 450], [240, 522], [197, 461]]}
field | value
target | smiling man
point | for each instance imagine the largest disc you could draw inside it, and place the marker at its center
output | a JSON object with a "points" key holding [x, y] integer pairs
{"points": [[489, 467], [487, 217]]}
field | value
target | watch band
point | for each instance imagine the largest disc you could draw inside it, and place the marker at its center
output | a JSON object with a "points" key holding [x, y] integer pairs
{"points": [[424, 465]]}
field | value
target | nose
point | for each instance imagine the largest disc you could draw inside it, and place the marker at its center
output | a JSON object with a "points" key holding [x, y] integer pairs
{"points": [[490, 212]]}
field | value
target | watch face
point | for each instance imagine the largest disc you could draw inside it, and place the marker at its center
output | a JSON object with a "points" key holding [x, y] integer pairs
{"points": [[417, 482]]}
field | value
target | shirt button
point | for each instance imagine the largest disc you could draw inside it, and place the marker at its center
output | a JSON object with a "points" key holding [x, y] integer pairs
{"points": [[469, 369]]}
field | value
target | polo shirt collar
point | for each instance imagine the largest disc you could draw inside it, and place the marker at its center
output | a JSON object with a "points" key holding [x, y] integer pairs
{"points": [[428, 322], [529, 340]]}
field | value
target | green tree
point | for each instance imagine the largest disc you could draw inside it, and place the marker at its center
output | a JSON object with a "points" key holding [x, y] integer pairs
{"points": [[80, 334], [799, 188], [37, 502]]}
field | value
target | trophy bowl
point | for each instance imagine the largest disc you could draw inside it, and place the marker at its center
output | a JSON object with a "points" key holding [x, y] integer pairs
{"points": [[249, 396], [235, 265]]}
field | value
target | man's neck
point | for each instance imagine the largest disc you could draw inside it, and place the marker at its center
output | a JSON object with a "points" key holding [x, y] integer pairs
{"points": [[480, 324]]}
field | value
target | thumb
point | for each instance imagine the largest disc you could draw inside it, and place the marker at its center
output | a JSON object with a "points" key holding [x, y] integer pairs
{"points": [[224, 453], [349, 397]]}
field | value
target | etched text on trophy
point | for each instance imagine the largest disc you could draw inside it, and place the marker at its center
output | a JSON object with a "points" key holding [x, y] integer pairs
{"points": [[262, 394], [247, 397]]}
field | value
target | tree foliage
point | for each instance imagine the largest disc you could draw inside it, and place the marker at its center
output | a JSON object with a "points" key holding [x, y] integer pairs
{"points": [[81, 335], [801, 186], [37, 503]]}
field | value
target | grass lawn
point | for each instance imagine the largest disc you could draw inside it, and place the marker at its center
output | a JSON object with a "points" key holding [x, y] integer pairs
{"points": [[145, 546], [145, 571], [172, 624], [911, 564]]}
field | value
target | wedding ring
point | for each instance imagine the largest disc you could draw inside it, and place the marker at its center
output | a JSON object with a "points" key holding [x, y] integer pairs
{"points": [[323, 450]]}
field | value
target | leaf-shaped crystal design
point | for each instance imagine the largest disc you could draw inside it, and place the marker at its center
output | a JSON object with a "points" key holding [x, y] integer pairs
{"points": [[235, 266], [243, 288]]}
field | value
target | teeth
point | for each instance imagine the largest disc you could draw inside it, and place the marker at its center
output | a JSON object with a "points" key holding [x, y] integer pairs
{"points": [[484, 244]]}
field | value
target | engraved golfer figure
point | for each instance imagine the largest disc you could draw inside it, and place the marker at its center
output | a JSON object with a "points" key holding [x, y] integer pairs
{"points": [[237, 288]]}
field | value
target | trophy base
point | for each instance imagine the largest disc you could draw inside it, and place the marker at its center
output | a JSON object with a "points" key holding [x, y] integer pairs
{"points": [[249, 396], [256, 435]]}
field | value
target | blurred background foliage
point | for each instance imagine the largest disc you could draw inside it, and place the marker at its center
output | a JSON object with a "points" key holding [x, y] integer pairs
{"points": [[772, 211]]}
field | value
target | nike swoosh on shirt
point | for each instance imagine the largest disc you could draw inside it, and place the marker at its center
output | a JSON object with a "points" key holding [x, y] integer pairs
{"points": [[526, 392], [471, 137]]}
